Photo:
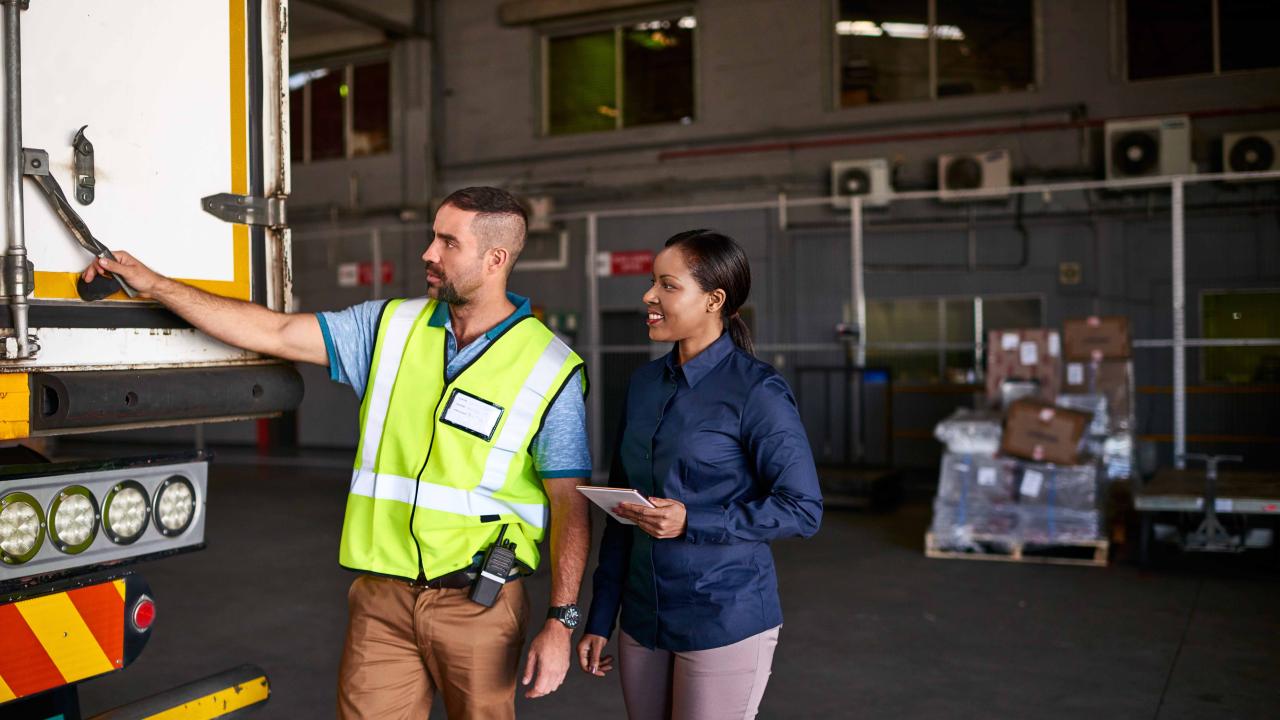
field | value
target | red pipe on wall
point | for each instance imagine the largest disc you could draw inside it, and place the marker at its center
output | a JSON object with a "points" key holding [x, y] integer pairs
{"points": [[793, 145]]}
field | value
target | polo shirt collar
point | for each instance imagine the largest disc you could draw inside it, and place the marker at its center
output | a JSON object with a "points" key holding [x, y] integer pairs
{"points": [[440, 318]]}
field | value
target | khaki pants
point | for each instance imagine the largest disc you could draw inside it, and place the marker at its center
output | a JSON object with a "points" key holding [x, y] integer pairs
{"points": [[404, 644]]}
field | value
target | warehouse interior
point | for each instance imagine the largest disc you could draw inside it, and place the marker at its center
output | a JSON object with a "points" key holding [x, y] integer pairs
{"points": [[1018, 261]]}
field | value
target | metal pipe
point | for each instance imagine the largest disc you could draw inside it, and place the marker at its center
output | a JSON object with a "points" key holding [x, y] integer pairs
{"points": [[593, 325], [1179, 282], [375, 241], [857, 284], [1039, 188], [16, 250]]}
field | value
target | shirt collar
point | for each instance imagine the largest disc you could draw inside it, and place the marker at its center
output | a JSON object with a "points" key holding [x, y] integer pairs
{"points": [[703, 363], [440, 318]]}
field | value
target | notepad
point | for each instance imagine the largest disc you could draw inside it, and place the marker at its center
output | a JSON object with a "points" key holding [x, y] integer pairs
{"points": [[608, 498]]}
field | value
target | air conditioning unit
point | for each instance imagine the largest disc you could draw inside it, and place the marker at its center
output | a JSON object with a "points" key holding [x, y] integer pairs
{"points": [[867, 178], [967, 172], [1257, 151], [1148, 147]]}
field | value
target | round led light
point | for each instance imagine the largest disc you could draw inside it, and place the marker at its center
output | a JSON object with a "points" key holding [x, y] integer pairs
{"points": [[73, 519], [175, 505], [125, 512], [21, 528]]}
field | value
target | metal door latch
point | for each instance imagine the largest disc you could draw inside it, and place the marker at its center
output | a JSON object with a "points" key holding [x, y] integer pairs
{"points": [[247, 209], [84, 167]]}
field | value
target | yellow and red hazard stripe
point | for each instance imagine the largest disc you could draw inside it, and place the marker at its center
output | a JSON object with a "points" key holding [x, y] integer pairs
{"points": [[61, 638]]}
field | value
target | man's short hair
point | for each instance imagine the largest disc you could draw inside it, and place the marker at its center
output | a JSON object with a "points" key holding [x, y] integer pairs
{"points": [[500, 218]]}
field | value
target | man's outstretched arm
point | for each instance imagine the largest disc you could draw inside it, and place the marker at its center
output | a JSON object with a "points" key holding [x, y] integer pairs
{"points": [[235, 322]]}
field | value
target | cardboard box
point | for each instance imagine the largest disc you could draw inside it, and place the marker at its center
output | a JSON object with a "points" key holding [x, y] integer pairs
{"points": [[1024, 354], [1112, 379], [1097, 338], [1043, 433]]}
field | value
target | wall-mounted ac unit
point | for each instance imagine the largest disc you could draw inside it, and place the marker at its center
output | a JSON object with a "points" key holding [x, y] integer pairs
{"points": [[965, 172], [1257, 151], [1148, 147], [868, 178]]}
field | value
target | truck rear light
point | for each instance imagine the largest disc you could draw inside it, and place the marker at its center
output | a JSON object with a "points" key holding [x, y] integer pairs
{"points": [[144, 613]]}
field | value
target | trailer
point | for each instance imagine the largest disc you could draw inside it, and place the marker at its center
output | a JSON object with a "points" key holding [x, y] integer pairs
{"points": [[161, 128]]}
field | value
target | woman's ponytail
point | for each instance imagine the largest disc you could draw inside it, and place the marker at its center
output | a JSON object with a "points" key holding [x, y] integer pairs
{"points": [[740, 333]]}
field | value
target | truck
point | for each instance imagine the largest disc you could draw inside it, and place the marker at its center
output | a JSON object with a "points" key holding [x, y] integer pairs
{"points": [[162, 127]]}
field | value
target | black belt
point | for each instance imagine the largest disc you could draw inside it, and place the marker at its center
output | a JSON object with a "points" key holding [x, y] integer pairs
{"points": [[455, 580]]}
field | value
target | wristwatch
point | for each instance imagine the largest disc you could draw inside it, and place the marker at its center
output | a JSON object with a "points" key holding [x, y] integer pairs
{"points": [[567, 614]]}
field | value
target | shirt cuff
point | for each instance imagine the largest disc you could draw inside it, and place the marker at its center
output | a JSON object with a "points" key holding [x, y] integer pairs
{"points": [[552, 474], [705, 524], [329, 349]]}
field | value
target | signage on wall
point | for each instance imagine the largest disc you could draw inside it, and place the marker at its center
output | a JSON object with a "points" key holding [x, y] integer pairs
{"points": [[361, 274], [624, 262]]}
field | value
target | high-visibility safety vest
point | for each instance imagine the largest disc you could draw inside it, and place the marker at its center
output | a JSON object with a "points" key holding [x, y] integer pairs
{"points": [[442, 464]]}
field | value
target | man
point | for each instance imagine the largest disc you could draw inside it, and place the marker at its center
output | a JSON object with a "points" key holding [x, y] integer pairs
{"points": [[472, 424]]}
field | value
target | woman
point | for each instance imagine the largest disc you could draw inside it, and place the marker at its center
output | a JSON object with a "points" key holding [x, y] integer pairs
{"points": [[712, 437]]}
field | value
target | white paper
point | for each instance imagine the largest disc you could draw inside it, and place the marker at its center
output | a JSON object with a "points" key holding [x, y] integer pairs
{"points": [[1031, 483], [608, 499], [987, 476], [1009, 341], [1055, 345], [472, 414], [1028, 354], [1075, 373]]}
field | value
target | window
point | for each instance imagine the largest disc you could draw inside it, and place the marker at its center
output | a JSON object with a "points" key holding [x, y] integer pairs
{"points": [[932, 340], [623, 76], [896, 50], [340, 111], [1241, 315], [1170, 38]]}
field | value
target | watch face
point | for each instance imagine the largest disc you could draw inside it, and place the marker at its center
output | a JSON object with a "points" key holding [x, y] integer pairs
{"points": [[568, 615]]}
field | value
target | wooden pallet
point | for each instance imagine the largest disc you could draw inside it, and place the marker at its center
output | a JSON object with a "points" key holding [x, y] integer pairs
{"points": [[1089, 553]]}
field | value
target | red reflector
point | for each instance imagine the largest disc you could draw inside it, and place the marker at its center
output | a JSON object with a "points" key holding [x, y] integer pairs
{"points": [[1270, 508], [144, 613]]}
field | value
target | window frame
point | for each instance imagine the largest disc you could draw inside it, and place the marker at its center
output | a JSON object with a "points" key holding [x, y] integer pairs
{"points": [[1122, 34], [346, 62], [1203, 294], [599, 23], [980, 328], [833, 60]]}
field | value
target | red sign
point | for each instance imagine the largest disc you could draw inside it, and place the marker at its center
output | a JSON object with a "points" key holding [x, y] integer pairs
{"points": [[626, 262], [365, 273]]}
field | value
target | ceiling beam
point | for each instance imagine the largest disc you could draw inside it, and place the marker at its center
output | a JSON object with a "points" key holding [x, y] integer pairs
{"points": [[355, 13]]}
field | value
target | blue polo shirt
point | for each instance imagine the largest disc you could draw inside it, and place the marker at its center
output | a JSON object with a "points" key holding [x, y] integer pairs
{"points": [[560, 448], [720, 434]]}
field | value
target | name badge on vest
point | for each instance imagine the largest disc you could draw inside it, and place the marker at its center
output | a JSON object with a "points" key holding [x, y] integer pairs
{"points": [[472, 414]]}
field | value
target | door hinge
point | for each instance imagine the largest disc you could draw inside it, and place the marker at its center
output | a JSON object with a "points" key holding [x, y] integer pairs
{"points": [[247, 209]]}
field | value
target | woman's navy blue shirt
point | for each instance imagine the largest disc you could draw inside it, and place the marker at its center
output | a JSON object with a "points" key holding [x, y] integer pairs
{"points": [[721, 435]]}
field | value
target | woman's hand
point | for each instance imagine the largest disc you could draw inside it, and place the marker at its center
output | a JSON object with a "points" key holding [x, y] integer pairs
{"points": [[589, 649], [664, 521]]}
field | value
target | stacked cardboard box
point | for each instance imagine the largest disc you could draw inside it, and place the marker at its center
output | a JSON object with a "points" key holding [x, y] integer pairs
{"points": [[1031, 473], [1099, 363]]}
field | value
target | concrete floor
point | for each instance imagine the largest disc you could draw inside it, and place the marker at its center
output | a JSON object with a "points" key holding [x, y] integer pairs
{"points": [[873, 630]]}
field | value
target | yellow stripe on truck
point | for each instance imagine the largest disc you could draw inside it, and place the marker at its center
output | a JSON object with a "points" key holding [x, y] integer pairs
{"points": [[15, 406], [5, 693], [222, 702], [65, 636]]}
